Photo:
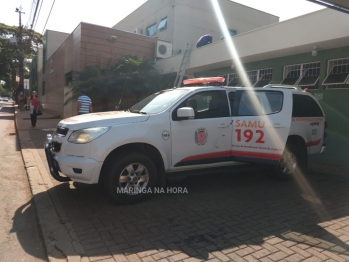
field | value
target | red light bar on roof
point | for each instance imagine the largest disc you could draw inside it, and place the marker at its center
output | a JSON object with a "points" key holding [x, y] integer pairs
{"points": [[204, 80]]}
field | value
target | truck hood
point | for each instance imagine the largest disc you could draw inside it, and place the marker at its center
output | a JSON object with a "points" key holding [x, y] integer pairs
{"points": [[102, 119]]}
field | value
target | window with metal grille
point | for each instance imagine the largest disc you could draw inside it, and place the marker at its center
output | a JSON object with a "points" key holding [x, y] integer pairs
{"points": [[252, 76], [302, 75], [310, 76], [264, 77], [291, 74], [231, 79], [337, 74]]}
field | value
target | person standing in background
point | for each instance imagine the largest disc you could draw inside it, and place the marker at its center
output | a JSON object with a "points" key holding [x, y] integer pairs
{"points": [[84, 103], [34, 106]]}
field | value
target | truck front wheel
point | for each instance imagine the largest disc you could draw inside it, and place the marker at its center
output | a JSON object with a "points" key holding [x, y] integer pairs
{"points": [[131, 178]]}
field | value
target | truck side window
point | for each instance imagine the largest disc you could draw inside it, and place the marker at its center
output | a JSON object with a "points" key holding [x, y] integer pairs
{"points": [[258, 103], [206, 104], [305, 106]]}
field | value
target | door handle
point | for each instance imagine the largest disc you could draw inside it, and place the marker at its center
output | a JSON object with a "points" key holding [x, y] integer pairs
{"points": [[223, 125], [277, 126]]}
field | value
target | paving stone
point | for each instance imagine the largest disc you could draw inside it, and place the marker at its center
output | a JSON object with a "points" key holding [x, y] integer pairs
{"points": [[334, 256], [236, 258], [278, 256], [177, 257]]}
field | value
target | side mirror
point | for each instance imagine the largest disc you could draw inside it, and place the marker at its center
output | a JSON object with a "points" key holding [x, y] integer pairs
{"points": [[185, 112]]}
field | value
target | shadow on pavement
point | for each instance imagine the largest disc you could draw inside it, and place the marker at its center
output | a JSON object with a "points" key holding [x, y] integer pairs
{"points": [[236, 214]]}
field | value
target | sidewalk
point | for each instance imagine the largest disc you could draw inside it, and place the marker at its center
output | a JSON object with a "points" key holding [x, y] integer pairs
{"points": [[55, 232], [238, 217]]}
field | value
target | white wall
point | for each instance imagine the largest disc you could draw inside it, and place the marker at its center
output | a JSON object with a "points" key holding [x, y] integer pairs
{"points": [[188, 20], [54, 40], [196, 18], [149, 13]]}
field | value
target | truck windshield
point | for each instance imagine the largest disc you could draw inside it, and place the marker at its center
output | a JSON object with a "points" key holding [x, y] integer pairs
{"points": [[158, 102]]}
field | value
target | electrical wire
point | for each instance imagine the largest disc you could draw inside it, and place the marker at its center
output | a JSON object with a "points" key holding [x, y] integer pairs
{"points": [[38, 15], [31, 12], [48, 17]]}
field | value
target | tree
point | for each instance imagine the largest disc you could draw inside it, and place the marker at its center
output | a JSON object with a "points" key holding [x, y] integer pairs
{"points": [[123, 84], [5, 92], [9, 52]]}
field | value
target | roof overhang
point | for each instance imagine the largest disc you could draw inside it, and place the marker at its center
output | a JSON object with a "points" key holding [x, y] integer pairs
{"points": [[325, 29], [339, 5]]}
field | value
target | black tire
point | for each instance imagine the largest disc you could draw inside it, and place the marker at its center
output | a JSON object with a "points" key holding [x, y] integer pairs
{"points": [[293, 162], [126, 186]]}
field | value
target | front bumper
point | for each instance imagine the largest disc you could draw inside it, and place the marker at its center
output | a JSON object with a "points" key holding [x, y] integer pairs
{"points": [[53, 165], [79, 169]]}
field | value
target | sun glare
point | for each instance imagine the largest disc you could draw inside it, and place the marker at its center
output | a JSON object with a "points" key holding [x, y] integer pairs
{"points": [[308, 192]]}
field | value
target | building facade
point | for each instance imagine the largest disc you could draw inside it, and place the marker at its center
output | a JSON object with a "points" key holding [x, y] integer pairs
{"points": [[181, 21], [87, 45]]}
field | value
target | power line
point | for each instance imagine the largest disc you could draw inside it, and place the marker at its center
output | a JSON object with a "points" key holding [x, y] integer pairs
{"points": [[38, 15], [36, 9], [48, 17], [31, 12]]}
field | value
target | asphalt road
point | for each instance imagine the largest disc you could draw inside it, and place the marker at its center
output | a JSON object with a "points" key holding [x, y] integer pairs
{"points": [[20, 237]]}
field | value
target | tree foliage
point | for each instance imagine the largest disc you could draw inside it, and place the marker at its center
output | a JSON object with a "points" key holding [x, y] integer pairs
{"points": [[123, 84], [9, 52]]}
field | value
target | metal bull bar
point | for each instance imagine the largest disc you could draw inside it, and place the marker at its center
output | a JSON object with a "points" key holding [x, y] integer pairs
{"points": [[53, 170]]}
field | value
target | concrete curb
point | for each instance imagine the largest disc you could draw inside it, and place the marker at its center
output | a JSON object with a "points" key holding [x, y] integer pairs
{"points": [[56, 230]]}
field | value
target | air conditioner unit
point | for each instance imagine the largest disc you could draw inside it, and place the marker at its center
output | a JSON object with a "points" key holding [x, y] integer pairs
{"points": [[163, 49], [137, 31]]}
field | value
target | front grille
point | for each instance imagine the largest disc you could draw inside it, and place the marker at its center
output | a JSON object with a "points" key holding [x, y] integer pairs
{"points": [[56, 147], [62, 131]]}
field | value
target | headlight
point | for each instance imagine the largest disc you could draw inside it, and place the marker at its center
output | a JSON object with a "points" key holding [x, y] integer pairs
{"points": [[83, 136]]}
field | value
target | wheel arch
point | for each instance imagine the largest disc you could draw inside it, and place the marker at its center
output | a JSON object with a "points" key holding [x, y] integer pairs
{"points": [[299, 142], [147, 149]]}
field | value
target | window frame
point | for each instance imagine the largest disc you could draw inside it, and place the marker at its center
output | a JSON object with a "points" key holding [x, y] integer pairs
{"points": [[232, 76], [330, 66], [317, 65], [291, 70], [268, 71], [235, 32], [303, 69], [164, 27], [153, 25]]}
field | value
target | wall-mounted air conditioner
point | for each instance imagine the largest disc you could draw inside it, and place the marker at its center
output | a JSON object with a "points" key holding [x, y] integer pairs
{"points": [[137, 31], [163, 49]]}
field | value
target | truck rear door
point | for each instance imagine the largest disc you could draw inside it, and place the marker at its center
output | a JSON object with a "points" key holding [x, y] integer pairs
{"points": [[261, 124]]}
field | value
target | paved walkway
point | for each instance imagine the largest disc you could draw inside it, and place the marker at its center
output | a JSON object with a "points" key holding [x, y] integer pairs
{"points": [[224, 217]]}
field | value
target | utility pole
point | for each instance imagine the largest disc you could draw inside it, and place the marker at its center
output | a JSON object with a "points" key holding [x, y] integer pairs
{"points": [[20, 90]]}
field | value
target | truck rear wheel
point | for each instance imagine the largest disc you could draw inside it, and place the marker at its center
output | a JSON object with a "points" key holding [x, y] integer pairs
{"points": [[131, 178], [293, 160]]}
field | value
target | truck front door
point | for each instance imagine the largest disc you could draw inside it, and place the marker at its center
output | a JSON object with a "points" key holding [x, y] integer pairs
{"points": [[206, 138]]}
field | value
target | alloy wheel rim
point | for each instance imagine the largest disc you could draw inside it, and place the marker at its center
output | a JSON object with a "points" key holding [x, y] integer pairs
{"points": [[134, 178], [288, 163]]}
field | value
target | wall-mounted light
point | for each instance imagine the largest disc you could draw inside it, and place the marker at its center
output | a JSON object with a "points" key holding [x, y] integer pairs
{"points": [[314, 52], [112, 38], [232, 66]]}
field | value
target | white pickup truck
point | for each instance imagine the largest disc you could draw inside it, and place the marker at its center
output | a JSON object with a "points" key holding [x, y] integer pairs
{"points": [[187, 130]]}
